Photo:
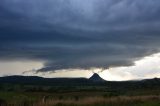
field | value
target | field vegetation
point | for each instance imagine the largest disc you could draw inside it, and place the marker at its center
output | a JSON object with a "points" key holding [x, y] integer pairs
{"points": [[129, 93]]}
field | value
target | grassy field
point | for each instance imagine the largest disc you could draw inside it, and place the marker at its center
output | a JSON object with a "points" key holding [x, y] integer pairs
{"points": [[110, 101], [144, 93], [81, 98]]}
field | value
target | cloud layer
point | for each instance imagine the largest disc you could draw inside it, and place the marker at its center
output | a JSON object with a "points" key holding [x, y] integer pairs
{"points": [[147, 67], [76, 34]]}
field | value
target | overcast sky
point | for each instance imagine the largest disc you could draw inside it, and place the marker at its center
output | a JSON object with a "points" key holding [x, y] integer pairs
{"points": [[79, 35]]}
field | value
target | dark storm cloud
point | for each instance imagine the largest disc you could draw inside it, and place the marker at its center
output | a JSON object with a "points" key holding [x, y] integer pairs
{"points": [[80, 34]]}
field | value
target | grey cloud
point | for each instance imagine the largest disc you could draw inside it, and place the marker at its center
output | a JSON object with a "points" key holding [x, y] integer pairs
{"points": [[79, 34]]}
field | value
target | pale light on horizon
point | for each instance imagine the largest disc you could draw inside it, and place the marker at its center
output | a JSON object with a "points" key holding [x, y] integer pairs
{"points": [[147, 67], [17, 67]]}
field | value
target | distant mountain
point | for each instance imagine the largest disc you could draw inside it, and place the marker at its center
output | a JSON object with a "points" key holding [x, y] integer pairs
{"points": [[34, 80], [96, 78], [51, 81]]}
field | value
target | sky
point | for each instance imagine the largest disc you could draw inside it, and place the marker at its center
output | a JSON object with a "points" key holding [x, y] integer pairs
{"points": [[119, 39]]}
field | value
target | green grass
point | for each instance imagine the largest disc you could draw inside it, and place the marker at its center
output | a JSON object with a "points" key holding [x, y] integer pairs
{"points": [[19, 97], [79, 96], [113, 101], [72, 100]]}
